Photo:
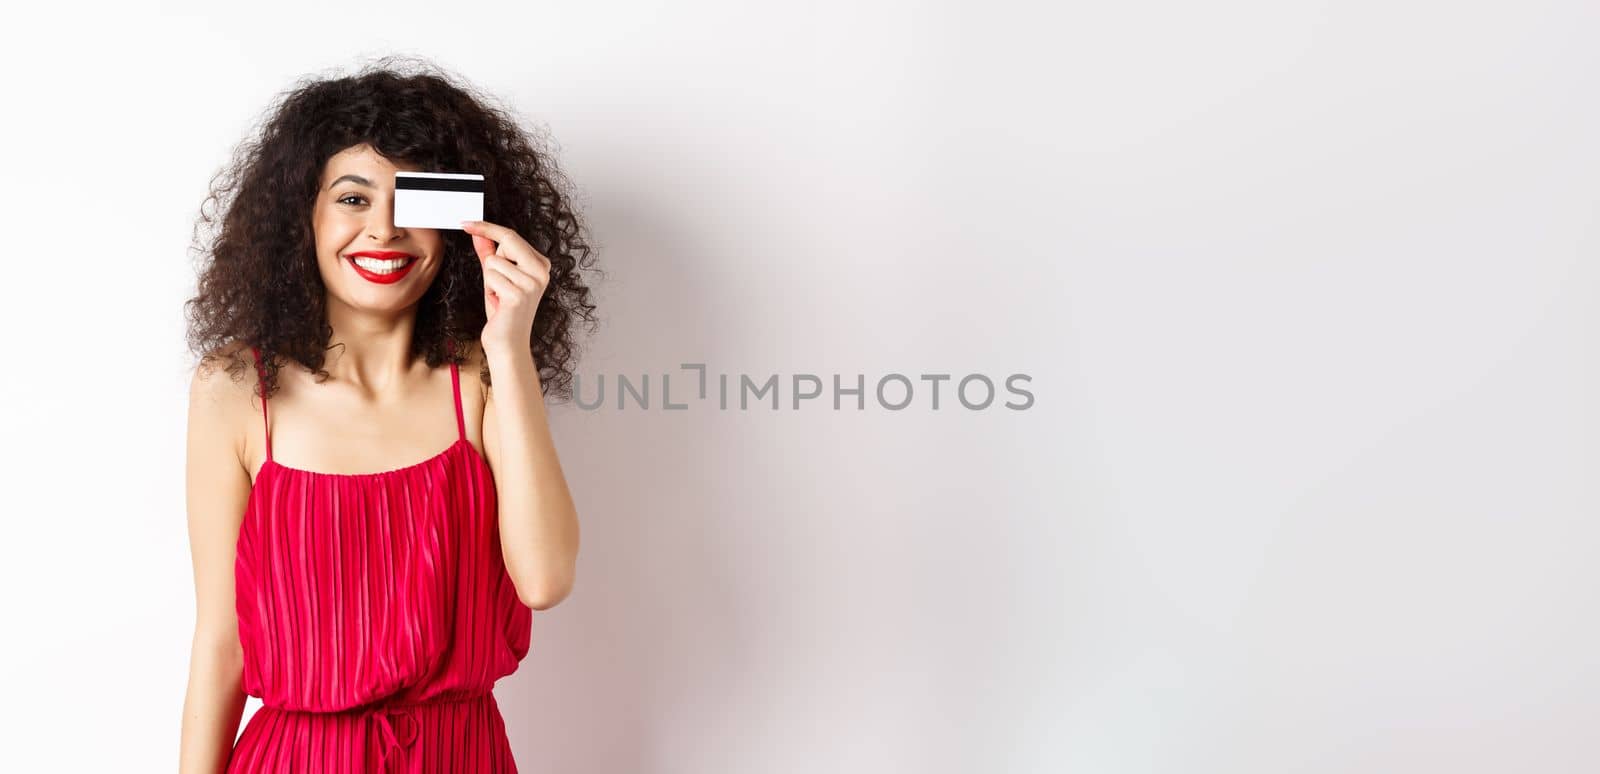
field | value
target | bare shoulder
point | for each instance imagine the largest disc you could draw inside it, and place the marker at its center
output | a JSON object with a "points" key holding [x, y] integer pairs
{"points": [[477, 405], [215, 376], [220, 398], [471, 370]]}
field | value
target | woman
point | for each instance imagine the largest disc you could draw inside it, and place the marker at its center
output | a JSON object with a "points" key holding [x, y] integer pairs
{"points": [[366, 586]]}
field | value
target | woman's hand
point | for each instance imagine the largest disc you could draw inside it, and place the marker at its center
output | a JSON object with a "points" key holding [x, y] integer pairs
{"points": [[514, 279]]}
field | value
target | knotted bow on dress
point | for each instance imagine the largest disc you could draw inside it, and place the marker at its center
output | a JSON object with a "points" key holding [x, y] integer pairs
{"points": [[393, 741]]}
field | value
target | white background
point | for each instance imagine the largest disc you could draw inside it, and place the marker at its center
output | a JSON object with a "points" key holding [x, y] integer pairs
{"points": [[1306, 291]]}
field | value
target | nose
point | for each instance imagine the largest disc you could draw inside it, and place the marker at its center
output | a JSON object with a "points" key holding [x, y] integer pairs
{"points": [[380, 226], [385, 232]]}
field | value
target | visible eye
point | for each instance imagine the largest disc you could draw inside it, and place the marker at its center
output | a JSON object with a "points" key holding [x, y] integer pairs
{"points": [[351, 196]]}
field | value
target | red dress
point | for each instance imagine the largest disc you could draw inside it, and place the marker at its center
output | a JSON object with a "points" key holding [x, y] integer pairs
{"points": [[375, 614]]}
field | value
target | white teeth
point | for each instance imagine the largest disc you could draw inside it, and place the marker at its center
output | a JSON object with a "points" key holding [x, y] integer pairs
{"points": [[377, 266]]}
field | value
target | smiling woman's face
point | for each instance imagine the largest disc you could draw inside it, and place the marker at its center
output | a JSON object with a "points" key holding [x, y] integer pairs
{"points": [[353, 214]]}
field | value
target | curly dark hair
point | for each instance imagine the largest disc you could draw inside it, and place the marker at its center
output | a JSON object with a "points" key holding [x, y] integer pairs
{"points": [[258, 279]]}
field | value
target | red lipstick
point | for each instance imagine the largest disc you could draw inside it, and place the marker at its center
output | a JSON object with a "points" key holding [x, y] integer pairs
{"points": [[382, 279]]}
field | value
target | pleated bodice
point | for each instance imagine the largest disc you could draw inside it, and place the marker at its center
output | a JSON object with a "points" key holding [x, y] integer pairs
{"points": [[381, 587]]}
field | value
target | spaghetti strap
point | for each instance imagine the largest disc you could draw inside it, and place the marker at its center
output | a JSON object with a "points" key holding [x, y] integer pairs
{"points": [[455, 387], [265, 429]]}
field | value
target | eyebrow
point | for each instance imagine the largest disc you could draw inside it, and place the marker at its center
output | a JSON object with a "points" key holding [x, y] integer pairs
{"points": [[353, 178]]}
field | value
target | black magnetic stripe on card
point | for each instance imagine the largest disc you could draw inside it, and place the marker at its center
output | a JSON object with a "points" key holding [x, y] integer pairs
{"points": [[438, 184]]}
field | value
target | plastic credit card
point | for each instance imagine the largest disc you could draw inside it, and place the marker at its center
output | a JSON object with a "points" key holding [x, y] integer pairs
{"points": [[437, 199]]}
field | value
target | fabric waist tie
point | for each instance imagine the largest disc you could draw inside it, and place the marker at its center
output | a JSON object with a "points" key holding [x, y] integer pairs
{"points": [[395, 722], [389, 714]]}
